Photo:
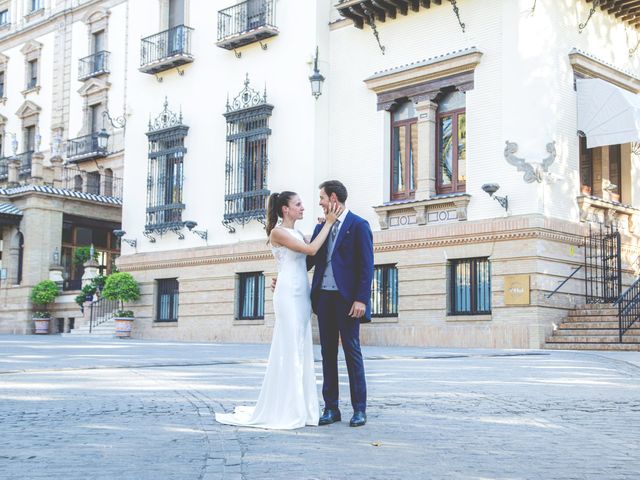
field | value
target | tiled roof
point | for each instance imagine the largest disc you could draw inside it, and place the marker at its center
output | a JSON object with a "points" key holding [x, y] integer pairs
{"points": [[60, 192], [10, 209]]}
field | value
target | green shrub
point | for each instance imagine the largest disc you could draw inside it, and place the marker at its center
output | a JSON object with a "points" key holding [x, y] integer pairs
{"points": [[42, 295], [121, 286], [82, 254]]}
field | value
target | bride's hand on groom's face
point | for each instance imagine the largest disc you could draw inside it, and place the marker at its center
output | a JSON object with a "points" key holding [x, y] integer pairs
{"points": [[333, 213]]}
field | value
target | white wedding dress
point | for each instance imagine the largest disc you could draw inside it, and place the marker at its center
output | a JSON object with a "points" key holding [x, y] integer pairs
{"points": [[288, 398]]}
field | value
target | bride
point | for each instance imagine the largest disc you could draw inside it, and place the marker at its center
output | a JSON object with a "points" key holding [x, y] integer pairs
{"points": [[288, 398]]}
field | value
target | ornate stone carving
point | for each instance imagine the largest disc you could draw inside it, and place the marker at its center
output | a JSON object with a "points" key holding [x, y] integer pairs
{"points": [[533, 172]]}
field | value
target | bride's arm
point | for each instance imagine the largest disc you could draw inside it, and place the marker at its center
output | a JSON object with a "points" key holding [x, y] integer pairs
{"points": [[281, 238]]}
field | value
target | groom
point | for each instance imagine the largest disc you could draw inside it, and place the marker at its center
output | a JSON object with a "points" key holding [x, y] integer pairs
{"points": [[341, 298]]}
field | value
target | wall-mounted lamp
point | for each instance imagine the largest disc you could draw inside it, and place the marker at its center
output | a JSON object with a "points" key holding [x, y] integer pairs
{"points": [[190, 224], [55, 257], [316, 79], [122, 233], [491, 189]]}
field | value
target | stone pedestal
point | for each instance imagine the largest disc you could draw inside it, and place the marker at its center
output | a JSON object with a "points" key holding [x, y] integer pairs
{"points": [[13, 175], [37, 167], [56, 165], [90, 271]]}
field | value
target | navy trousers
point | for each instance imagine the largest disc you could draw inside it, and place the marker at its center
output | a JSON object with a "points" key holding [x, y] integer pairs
{"points": [[334, 322]]}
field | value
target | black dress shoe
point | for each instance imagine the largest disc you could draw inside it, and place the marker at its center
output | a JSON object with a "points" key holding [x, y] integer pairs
{"points": [[329, 416], [358, 419]]}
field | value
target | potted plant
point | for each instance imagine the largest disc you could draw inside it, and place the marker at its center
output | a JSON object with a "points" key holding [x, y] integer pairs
{"points": [[122, 287], [42, 295]]}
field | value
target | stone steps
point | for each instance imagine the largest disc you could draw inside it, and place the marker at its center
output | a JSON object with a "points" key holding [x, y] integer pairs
{"points": [[593, 327], [106, 329], [627, 347]]}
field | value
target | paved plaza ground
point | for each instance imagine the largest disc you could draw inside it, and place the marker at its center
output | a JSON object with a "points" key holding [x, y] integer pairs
{"points": [[80, 408]]}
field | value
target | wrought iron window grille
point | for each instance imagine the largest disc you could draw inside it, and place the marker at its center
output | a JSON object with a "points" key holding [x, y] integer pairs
{"points": [[250, 290], [165, 174], [247, 159], [384, 291]]}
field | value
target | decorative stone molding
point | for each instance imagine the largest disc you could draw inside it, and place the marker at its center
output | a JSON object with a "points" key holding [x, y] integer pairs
{"points": [[422, 81], [28, 109], [94, 87], [590, 66], [533, 172], [596, 210], [97, 18], [31, 51], [443, 209]]}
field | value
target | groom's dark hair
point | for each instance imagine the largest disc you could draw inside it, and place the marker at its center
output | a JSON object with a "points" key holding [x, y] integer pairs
{"points": [[337, 187]]}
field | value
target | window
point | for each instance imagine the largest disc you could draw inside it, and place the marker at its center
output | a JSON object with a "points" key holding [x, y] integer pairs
{"points": [[1, 84], [36, 5], [384, 291], [451, 133], [30, 138], [604, 164], [247, 157], [99, 54], [404, 151], [165, 172], [83, 232], [94, 118], [250, 296], [470, 286], [32, 79], [93, 183], [4, 17], [167, 308]]}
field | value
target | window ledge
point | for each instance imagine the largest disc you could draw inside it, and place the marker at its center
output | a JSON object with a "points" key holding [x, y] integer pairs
{"points": [[240, 323], [164, 324], [596, 209], [383, 320], [439, 209], [469, 318], [35, 14], [5, 26], [27, 91]]}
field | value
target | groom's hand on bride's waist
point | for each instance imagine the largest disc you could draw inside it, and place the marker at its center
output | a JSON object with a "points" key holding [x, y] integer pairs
{"points": [[357, 310]]}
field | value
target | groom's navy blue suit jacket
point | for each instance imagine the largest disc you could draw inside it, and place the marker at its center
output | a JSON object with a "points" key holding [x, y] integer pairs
{"points": [[352, 263]]}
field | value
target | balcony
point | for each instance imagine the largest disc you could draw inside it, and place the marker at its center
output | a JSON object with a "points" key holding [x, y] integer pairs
{"points": [[4, 169], [96, 183], [93, 65], [84, 148], [25, 164], [166, 50], [247, 22]]}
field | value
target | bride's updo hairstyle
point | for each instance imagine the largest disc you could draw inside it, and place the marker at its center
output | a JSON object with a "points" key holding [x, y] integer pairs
{"points": [[274, 208]]}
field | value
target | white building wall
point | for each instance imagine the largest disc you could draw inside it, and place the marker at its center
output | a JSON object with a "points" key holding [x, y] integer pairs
{"points": [[201, 94]]}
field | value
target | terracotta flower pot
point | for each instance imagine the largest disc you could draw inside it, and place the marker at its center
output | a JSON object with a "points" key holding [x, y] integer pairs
{"points": [[41, 325], [123, 326]]}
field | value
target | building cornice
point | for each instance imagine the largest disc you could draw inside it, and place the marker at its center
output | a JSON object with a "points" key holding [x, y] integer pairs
{"points": [[590, 66]]}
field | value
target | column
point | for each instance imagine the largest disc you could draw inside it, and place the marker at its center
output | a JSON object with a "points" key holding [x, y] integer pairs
{"points": [[426, 109]]}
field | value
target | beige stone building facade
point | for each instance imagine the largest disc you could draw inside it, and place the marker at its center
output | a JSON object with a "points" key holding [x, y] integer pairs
{"points": [[60, 184]]}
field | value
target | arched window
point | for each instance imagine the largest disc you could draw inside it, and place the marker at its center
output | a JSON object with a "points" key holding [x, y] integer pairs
{"points": [[451, 132], [108, 182], [404, 151], [77, 183]]}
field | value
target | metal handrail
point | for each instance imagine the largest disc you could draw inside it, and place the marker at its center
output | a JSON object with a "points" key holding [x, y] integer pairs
{"points": [[628, 307], [166, 44], [245, 16], [564, 281], [101, 312]]}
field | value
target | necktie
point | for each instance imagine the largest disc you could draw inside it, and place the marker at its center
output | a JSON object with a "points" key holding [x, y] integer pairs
{"points": [[333, 234]]}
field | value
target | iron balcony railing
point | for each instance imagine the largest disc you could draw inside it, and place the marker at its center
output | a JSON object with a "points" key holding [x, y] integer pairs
{"points": [[245, 17], [93, 65], [629, 307], [603, 265], [164, 45], [99, 183], [4, 169], [85, 147], [25, 163]]}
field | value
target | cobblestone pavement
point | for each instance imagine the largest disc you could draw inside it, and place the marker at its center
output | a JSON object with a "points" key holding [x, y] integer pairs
{"points": [[79, 408]]}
